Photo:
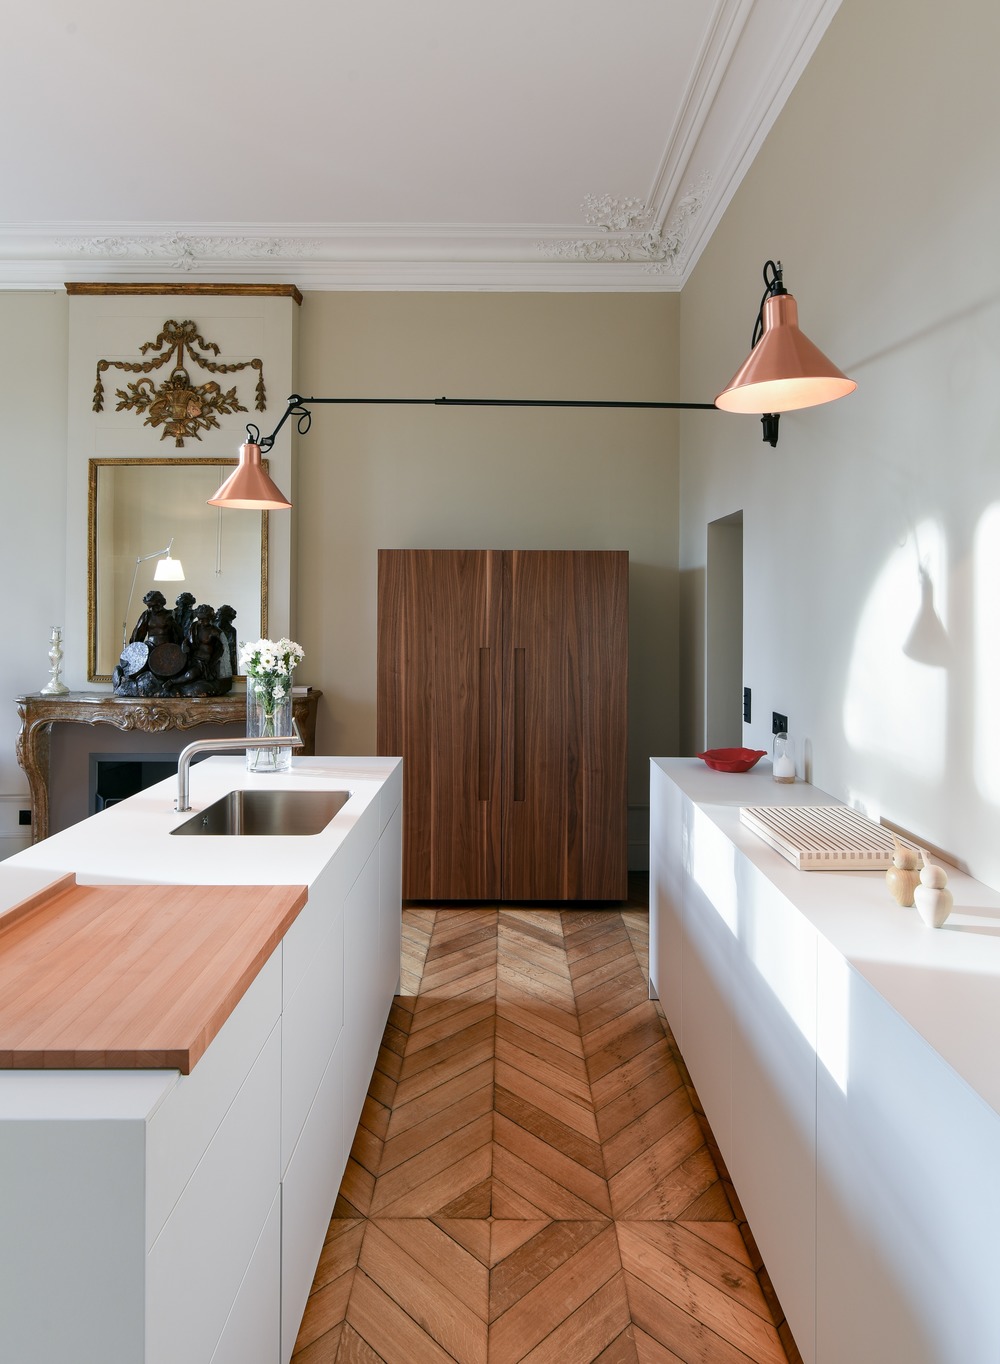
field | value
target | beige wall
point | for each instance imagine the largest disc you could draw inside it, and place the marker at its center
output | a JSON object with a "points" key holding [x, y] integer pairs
{"points": [[368, 477], [372, 477], [879, 188], [33, 377]]}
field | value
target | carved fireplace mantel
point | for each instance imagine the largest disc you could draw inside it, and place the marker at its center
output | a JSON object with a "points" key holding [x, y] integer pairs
{"points": [[39, 713]]}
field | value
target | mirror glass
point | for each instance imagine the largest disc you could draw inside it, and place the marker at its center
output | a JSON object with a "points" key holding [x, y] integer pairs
{"points": [[136, 508]]}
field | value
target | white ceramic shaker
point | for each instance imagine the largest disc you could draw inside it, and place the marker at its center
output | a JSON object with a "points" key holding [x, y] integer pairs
{"points": [[932, 897]]}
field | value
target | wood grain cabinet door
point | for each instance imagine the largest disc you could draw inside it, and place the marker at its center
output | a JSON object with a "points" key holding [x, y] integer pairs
{"points": [[565, 687], [503, 683], [438, 707]]}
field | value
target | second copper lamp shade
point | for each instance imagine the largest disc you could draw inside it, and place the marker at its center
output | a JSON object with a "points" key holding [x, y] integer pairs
{"points": [[249, 487], [784, 370]]}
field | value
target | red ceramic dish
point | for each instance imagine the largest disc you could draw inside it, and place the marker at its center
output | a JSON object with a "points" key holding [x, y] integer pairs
{"points": [[732, 759]]}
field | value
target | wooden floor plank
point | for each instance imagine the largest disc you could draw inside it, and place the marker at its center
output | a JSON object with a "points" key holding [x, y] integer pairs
{"points": [[431, 1100], [518, 1273], [449, 1118], [597, 1322], [569, 1174], [388, 1330], [531, 1181], [526, 1323], [645, 1131], [459, 1272], [425, 1166], [542, 1120]]}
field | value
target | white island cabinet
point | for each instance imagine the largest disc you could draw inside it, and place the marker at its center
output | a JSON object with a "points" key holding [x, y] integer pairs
{"points": [[149, 1217], [845, 1057]]}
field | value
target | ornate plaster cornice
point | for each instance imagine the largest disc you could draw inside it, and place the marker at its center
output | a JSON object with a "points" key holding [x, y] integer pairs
{"points": [[626, 231], [180, 250]]}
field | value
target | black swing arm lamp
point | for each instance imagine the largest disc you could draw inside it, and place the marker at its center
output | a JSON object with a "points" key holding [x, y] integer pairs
{"points": [[249, 486], [783, 372]]}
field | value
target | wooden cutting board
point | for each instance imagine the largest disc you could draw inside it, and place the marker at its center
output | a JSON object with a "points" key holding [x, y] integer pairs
{"points": [[131, 977]]}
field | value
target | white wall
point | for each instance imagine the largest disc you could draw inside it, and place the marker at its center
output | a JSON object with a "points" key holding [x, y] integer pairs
{"points": [[879, 189]]}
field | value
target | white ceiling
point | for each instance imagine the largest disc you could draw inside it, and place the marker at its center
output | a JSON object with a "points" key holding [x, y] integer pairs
{"points": [[549, 144]]}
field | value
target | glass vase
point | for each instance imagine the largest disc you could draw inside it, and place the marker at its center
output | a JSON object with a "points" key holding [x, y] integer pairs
{"points": [[268, 717]]}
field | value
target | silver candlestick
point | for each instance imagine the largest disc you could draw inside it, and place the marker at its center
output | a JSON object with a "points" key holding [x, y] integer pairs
{"points": [[55, 687]]}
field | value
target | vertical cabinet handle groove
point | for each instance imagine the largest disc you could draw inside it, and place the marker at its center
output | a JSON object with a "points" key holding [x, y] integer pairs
{"points": [[519, 724], [485, 717]]}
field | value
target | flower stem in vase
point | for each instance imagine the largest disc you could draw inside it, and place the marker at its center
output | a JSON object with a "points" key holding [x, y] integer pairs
{"points": [[268, 666]]}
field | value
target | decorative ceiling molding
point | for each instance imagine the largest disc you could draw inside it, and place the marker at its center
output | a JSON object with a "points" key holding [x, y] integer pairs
{"points": [[629, 233], [743, 63], [357, 258], [176, 249]]}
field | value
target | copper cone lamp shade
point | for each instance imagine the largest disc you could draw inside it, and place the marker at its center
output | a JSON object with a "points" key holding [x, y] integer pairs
{"points": [[248, 486], [784, 371]]}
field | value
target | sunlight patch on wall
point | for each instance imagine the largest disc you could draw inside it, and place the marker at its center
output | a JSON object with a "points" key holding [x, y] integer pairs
{"points": [[986, 581], [896, 694]]}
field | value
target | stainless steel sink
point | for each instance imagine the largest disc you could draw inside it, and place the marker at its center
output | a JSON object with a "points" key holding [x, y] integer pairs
{"points": [[281, 814]]}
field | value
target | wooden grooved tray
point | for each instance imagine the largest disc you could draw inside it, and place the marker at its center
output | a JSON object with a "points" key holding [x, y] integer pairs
{"points": [[822, 837], [131, 977]]}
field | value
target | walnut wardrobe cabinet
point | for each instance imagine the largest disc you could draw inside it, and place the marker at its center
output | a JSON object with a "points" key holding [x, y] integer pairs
{"points": [[503, 684]]}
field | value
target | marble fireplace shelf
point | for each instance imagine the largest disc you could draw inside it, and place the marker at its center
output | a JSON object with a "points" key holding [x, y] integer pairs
{"points": [[39, 713]]}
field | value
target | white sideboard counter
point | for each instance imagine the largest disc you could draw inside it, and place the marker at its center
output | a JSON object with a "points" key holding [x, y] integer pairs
{"points": [[845, 1056], [151, 1217]]}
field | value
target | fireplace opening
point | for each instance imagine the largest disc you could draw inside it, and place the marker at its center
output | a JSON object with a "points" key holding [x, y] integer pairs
{"points": [[115, 776]]}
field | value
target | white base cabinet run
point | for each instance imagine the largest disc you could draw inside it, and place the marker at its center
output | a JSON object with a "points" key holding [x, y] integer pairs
{"points": [[164, 1219], [849, 1100]]}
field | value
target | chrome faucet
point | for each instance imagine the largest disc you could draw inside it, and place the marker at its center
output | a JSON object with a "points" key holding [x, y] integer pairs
{"points": [[224, 746]]}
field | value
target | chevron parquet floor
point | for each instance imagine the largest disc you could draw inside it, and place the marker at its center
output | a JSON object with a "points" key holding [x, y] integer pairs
{"points": [[530, 1180]]}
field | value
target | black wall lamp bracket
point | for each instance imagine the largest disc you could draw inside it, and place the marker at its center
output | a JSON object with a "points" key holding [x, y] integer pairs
{"points": [[299, 408]]}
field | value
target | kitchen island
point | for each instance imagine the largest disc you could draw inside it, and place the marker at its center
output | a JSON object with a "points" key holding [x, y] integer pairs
{"points": [[147, 1215]]}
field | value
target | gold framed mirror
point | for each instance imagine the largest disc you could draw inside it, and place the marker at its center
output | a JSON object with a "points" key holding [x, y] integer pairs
{"points": [[136, 507]]}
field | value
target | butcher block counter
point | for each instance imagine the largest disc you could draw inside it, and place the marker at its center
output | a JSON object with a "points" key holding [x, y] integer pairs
{"points": [[125, 977], [164, 1195]]}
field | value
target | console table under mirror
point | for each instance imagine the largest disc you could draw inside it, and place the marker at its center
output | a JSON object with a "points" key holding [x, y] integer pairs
{"points": [[136, 510], [60, 758]]}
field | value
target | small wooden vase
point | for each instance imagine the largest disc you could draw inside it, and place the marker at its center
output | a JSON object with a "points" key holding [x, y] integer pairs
{"points": [[903, 876], [932, 897]]}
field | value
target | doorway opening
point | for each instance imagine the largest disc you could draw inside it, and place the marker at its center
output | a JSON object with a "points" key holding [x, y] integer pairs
{"points": [[724, 633]]}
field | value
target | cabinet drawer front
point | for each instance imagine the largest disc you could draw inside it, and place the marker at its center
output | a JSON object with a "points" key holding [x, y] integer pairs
{"points": [[197, 1263], [181, 1129], [366, 1004], [326, 896], [252, 1335], [311, 1025], [308, 1193], [390, 874]]}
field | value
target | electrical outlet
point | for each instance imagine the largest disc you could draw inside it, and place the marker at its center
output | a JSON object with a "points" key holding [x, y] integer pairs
{"points": [[779, 723], [24, 816], [746, 705]]}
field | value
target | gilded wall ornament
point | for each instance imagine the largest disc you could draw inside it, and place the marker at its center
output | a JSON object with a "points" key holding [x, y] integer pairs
{"points": [[180, 406]]}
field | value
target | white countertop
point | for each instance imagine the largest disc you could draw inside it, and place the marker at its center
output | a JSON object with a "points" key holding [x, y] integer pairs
{"points": [[944, 982], [131, 842]]}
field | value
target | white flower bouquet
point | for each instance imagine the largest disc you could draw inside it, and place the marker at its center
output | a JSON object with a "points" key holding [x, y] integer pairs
{"points": [[268, 665]]}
